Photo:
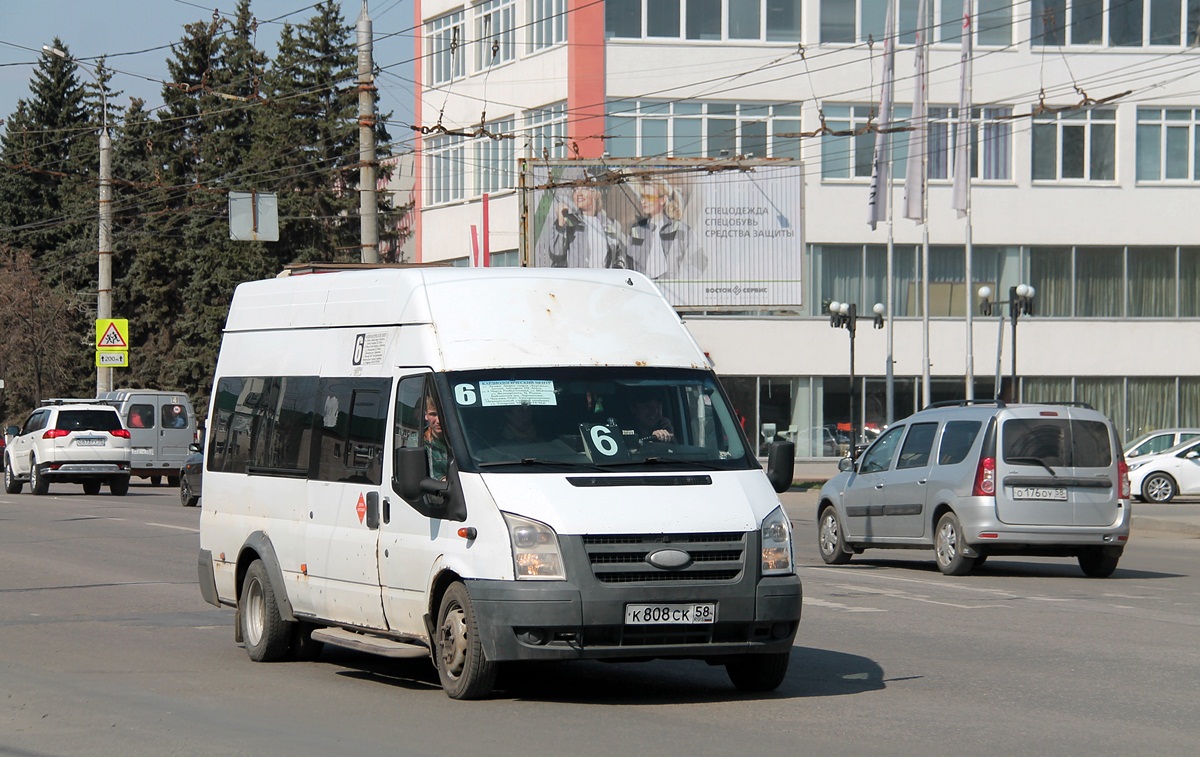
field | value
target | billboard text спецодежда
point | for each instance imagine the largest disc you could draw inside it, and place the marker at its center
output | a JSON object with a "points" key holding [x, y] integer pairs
{"points": [[711, 233]]}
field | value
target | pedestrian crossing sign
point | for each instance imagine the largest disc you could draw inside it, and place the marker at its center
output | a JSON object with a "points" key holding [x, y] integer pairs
{"points": [[112, 334]]}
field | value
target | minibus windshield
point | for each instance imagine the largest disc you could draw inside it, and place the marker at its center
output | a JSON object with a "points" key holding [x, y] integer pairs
{"points": [[595, 419]]}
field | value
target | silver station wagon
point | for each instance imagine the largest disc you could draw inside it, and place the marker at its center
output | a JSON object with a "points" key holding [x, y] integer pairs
{"points": [[971, 479]]}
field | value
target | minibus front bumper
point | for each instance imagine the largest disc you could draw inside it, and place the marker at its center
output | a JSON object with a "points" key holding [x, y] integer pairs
{"points": [[557, 620]]}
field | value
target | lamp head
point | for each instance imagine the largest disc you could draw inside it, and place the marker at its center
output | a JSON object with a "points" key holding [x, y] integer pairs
{"points": [[985, 292], [1022, 290]]}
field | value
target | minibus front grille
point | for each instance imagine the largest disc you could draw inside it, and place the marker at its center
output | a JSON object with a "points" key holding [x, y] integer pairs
{"points": [[625, 558]]}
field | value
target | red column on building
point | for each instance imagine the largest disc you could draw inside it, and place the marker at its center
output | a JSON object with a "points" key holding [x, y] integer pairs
{"points": [[585, 78]]}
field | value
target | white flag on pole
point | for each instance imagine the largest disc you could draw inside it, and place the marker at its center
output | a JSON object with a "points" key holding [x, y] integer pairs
{"points": [[914, 175], [881, 167], [962, 141]]}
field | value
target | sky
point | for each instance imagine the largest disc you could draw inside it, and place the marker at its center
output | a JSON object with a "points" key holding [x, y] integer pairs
{"points": [[136, 36]]}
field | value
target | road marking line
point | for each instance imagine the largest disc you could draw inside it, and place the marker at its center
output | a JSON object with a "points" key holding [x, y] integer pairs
{"points": [[178, 528]]}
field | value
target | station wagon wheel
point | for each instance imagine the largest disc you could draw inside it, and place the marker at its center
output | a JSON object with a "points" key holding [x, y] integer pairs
{"points": [[1097, 563], [118, 485], [264, 631], [947, 547], [464, 670], [11, 484], [1159, 487], [91, 487], [829, 538]]}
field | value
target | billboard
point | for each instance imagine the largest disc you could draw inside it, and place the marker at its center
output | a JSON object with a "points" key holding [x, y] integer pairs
{"points": [[713, 234]]}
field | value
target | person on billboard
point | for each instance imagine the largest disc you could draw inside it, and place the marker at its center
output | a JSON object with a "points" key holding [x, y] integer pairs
{"points": [[660, 242], [583, 235]]}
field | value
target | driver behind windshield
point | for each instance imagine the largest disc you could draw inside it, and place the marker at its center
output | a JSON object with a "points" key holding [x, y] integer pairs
{"points": [[649, 423]]}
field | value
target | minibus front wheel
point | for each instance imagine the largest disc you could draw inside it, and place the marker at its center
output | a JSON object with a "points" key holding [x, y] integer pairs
{"points": [[464, 670]]}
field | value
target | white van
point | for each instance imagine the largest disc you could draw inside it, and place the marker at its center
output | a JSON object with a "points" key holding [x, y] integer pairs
{"points": [[445, 462], [161, 426]]}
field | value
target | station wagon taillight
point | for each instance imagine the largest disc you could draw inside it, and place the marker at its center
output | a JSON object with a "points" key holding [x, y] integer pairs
{"points": [[1123, 479], [55, 433], [985, 478], [120, 433]]}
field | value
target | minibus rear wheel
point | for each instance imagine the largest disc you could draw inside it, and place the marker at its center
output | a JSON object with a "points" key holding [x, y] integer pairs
{"points": [[463, 669], [264, 632]]}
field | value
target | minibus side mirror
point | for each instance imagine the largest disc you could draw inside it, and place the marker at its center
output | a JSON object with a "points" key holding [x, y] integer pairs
{"points": [[781, 465], [428, 496]]}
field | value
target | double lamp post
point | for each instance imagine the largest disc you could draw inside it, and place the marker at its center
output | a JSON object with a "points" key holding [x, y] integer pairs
{"points": [[844, 315], [1020, 302]]}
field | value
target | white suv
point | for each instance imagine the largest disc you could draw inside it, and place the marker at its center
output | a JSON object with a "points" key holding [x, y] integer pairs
{"points": [[73, 443]]}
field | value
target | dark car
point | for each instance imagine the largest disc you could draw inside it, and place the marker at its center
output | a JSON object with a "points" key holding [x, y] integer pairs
{"points": [[190, 476]]}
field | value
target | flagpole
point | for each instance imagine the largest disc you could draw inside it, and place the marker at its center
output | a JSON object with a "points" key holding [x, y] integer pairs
{"points": [[916, 198], [962, 180], [880, 199]]}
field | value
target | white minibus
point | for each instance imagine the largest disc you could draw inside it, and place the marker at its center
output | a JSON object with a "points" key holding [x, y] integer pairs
{"points": [[486, 466]]}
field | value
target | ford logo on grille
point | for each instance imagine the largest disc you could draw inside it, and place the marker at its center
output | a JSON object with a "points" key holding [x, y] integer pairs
{"points": [[669, 559]]}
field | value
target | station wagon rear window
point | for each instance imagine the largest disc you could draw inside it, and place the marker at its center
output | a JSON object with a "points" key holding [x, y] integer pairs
{"points": [[1057, 442]]}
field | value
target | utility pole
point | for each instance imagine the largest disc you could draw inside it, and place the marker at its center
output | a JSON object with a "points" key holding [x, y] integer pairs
{"points": [[367, 207]]}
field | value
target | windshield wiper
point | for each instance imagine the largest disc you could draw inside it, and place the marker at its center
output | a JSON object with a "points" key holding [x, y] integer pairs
{"points": [[585, 465], [1031, 460]]}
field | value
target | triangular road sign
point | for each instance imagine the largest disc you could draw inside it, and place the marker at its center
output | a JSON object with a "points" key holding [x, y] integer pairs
{"points": [[112, 338]]}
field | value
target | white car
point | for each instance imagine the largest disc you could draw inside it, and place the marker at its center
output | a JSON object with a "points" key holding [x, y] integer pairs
{"points": [[1160, 478], [1159, 441], [69, 442]]}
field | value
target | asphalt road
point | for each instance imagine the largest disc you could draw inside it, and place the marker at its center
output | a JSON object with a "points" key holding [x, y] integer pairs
{"points": [[107, 649]]}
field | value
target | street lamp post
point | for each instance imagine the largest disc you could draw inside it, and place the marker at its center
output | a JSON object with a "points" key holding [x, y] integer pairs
{"points": [[844, 315], [104, 245], [1020, 302]]}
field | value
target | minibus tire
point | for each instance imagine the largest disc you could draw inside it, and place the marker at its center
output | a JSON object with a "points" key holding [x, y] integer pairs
{"points": [[463, 669], [758, 672], [265, 633]]}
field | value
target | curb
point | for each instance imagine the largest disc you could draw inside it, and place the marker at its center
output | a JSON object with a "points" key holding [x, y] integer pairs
{"points": [[1165, 525]]}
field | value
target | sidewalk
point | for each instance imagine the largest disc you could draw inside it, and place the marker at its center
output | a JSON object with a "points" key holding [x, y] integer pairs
{"points": [[1181, 517]]}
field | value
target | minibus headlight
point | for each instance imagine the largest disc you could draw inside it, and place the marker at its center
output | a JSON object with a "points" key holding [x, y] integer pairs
{"points": [[776, 544], [535, 549]]}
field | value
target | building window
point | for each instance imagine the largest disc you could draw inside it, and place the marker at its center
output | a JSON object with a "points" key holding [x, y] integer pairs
{"points": [[694, 129], [1116, 282], [1115, 23], [992, 22], [547, 131], [506, 259], [445, 37], [847, 157], [990, 146], [495, 168], [445, 167], [1167, 144], [708, 20], [493, 33], [1075, 144], [547, 23]]}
